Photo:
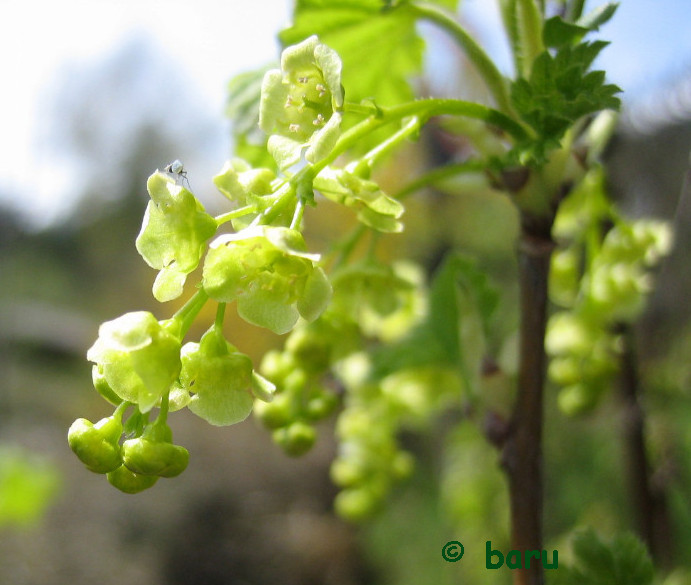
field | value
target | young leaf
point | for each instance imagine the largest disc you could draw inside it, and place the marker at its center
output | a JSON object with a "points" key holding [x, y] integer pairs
{"points": [[598, 16], [560, 90], [558, 33], [624, 561]]}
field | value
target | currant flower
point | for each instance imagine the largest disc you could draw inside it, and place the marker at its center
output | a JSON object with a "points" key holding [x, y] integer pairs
{"points": [[301, 103], [242, 183], [137, 357], [374, 208], [220, 380], [174, 233], [267, 270]]}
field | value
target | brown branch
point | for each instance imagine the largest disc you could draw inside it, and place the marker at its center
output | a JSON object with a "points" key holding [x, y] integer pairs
{"points": [[648, 500], [522, 451]]}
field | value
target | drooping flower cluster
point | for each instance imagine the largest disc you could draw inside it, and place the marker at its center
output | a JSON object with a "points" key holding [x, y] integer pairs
{"points": [[600, 296], [143, 365]]}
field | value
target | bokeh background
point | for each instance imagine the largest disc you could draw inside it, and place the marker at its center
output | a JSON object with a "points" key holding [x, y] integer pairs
{"points": [[97, 95]]}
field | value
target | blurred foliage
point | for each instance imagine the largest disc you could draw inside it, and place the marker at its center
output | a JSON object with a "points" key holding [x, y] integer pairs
{"points": [[29, 484]]}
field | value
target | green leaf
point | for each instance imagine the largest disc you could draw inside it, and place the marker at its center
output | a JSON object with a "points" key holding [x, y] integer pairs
{"points": [[560, 90], [632, 561], [460, 273], [244, 95], [364, 31], [598, 16], [558, 33], [28, 485], [623, 561]]}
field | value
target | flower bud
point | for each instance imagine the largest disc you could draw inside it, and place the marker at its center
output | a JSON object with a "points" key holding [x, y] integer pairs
{"points": [[296, 439], [129, 482], [154, 454], [96, 445]]}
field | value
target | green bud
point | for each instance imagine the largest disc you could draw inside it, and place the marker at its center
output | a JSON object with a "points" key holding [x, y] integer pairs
{"points": [[321, 406], [154, 454], [348, 472], [296, 439], [356, 504], [276, 414], [129, 482], [96, 445]]}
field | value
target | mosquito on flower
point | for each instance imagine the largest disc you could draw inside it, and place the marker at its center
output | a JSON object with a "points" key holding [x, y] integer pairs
{"points": [[177, 170]]}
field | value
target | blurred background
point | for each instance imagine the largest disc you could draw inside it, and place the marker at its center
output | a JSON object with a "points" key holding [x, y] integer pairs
{"points": [[97, 95]]}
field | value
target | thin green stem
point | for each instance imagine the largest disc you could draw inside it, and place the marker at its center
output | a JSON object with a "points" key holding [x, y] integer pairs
{"points": [[439, 174], [363, 109], [182, 320], [424, 110], [297, 215], [509, 15], [284, 196], [485, 66], [367, 162], [240, 212], [220, 316], [163, 409], [346, 247], [120, 410]]}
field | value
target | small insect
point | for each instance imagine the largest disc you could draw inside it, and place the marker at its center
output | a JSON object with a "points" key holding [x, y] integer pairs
{"points": [[177, 169]]}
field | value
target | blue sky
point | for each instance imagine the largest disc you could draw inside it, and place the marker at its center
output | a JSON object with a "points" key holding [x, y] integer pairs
{"points": [[210, 40]]}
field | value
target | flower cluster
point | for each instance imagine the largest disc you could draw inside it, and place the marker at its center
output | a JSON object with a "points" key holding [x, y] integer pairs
{"points": [[602, 280], [142, 365]]}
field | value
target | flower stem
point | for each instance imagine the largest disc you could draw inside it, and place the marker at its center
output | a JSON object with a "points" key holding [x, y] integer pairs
{"points": [[438, 174], [186, 315], [246, 210], [220, 316], [367, 162], [424, 110]]}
